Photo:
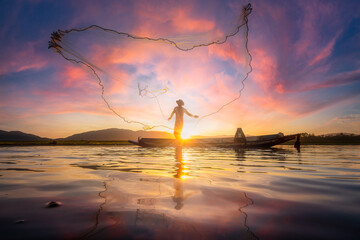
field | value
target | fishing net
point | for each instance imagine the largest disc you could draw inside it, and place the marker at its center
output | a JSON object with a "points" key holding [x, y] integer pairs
{"points": [[140, 77]]}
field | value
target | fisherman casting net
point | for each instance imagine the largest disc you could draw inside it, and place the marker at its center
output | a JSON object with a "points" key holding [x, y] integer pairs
{"points": [[144, 75]]}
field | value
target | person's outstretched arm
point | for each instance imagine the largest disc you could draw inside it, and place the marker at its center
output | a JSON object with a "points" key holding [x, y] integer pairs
{"points": [[189, 114], [172, 114]]}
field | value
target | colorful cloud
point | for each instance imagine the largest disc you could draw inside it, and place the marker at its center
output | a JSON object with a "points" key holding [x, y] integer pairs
{"points": [[305, 59]]}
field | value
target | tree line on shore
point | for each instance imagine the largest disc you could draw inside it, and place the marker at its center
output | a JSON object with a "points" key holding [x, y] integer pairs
{"points": [[329, 139]]}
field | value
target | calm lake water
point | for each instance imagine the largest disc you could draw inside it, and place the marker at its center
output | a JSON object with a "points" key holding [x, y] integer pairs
{"points": [[111, 192]]}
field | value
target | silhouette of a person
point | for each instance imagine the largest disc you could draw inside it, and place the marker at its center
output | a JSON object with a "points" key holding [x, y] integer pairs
{"points": [[179, 111]]}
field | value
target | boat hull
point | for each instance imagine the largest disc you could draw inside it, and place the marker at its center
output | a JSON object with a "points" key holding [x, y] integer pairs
{"points": [[257, 142]]}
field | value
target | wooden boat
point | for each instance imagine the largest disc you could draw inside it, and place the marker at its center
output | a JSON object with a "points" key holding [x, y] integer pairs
{"points": [[239, 141]]}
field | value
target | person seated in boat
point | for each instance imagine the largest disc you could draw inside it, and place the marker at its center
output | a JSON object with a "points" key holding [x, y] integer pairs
{"points": [[179, 111]]}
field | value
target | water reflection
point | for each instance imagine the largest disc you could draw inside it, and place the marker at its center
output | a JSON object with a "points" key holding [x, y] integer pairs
{"points": [[202, 193], [182, 205], [180, 175]]}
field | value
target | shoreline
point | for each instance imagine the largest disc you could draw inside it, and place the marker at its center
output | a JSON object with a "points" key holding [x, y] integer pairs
{"points": [[64, 143], [125, 142]]}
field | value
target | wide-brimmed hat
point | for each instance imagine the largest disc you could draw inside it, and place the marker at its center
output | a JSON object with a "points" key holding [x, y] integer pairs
{"points": [[180, 102]]}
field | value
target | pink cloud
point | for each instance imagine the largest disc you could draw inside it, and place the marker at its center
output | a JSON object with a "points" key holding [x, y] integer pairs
{"points": [[23, 58], [265, 71], [182, 21], [325, 52], [75, 77], [288, 58], [233, 50], [335, 81], [169, 18], [315, 14], [297, 106]]}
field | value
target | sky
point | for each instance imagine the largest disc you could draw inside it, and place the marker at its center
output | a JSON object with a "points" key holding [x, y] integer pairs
{"points": [[305, 60]]}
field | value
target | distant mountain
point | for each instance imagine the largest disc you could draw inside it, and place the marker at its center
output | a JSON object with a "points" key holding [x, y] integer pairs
{"points": [[19, 136], [115, 134]]}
